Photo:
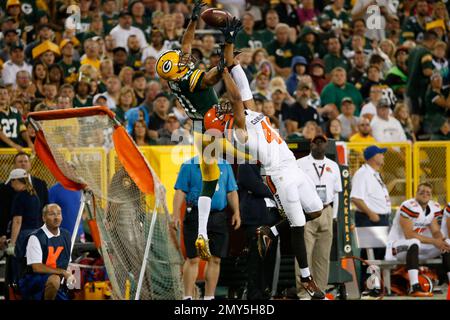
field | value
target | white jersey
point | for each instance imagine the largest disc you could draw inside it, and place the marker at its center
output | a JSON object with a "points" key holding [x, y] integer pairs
{"points": [[446, 213], [265, 144], [412, 210]]}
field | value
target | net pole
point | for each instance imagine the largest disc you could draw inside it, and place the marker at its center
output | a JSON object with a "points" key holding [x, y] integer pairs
{"points": [[78, 221], [147, 250]]}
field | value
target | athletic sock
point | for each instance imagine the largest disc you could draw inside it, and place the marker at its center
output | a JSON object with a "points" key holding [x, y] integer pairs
{"points": [[208, 298], [204, 206], [413, 276], [305, 272]]}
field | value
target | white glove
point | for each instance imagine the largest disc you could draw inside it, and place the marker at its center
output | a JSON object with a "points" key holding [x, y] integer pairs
{"points": [[71, 282], [10, 250]]}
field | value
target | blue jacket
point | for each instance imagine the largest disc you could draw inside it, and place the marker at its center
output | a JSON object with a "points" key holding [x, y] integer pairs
{"points": [[292, 80], [132, 116]]}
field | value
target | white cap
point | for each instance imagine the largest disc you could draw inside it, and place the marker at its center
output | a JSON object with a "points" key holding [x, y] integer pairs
{"points": [[17, 174]]}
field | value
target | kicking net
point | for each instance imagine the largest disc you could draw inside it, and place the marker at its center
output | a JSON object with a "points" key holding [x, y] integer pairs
{"points": [[86, 147]]}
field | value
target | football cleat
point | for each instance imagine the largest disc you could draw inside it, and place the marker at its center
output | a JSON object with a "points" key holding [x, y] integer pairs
{"points": [[313, 290], [202, 246], [416, 291], [264, 239]]}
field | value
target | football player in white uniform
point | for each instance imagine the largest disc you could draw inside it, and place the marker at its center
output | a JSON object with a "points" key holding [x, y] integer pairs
{"points": [[292, 188], [445, 226], [416, 235]]}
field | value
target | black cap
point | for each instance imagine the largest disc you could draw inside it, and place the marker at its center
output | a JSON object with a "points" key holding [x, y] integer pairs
{"points": [[16, 45], [9, 31], [161, 94], [124, 12], [44, 25], [116, 49]]}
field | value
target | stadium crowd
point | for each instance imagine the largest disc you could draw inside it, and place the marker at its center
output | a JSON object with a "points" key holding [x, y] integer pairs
{"points": [[315, 67]]}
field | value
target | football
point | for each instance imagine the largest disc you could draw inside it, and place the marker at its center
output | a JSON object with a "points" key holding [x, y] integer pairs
{"points": [[215, 17]]}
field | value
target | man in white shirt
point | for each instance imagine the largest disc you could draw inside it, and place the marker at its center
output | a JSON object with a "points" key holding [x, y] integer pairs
{"points": [[386, 128], [371, 197], [15, 64], [48, 256], [326, 176], [416, 235], [124, 29]]}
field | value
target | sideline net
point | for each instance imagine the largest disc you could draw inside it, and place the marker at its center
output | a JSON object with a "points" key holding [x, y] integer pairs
{"points": [[139, 248]]}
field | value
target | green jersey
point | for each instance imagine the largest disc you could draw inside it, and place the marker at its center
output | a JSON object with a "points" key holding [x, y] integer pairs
{"points": [[109, 22], [245, 40], [70, 71], [195, 100], [12, 125], [419, 59]]}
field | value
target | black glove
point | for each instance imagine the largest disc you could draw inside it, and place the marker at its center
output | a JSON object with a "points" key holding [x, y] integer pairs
{"points": [[198, 5], [231, 29]]}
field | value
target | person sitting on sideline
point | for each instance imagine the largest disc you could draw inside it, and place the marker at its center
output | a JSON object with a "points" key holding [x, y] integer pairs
{"points": [[415, 235], [48, 256]]}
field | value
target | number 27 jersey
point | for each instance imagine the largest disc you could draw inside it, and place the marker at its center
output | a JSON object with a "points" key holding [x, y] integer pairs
{"points": [[265, 144]]}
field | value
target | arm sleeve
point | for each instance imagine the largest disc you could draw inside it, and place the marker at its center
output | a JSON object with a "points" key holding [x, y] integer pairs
{"points": [[247, 178], [34, 251], [358, 187], [407, 213], [195, 80], [182, 182], [338, 180]]}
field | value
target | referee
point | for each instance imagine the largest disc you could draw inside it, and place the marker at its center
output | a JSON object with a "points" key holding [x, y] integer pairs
{"points": [[326, 176], [188, 187]]}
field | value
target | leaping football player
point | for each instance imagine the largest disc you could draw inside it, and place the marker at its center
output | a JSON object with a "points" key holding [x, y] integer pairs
{"points": [[193, 89]]}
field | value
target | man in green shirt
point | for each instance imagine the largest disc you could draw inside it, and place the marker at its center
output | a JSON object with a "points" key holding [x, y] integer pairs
{"points": [[109, 15], [420, 68], [247, 37], [281, 50], [334, 57], [339, 16], [67, 63], [339, 88], [266, 35], [13, 133], [437, 103]]}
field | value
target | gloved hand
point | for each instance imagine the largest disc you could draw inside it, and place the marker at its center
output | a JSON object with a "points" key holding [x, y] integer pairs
{"points": [[10, 250], [231, 29], [198, 5]]}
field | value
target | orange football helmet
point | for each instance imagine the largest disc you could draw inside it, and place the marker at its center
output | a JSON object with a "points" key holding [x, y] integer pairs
{"points": [[214, 119]]}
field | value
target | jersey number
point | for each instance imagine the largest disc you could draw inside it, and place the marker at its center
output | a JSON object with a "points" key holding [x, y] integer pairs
{"points": [[269, 133], [9, 127]]}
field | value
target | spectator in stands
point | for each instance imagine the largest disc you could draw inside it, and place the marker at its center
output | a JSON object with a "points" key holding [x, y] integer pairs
{"points": [[310, 130], [401, 113], [373, 78], [298, 66], [156, 47], [279, 98], [359, 11], [334, 130], [267, 34], [349, 121], [13, 133], [420, 69], [109, 15], [119, 59], [262, 85], [385, 128], [139, 134], [113, 87], [248, 37], [370, 108], [124, 29], [303, 110], [134, 59], [15, 64], [442, 132], [45, 33], [306, 12], [172, 133], [339, 88], [39, 77], [157, 120], [414, 26], [257, 208], [127, 100], [326, 176], [126, 76], [334, 58], [281, 50], [440, 61], [43, 280], [309, 44], [23, 86], [82, 97], [287, 12], [56, 75], [437, 103], [317, 73], [10, 37], [356, 73], [364, 133], [187, 188], [415, 235], [397, 76], [139, 84]]}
